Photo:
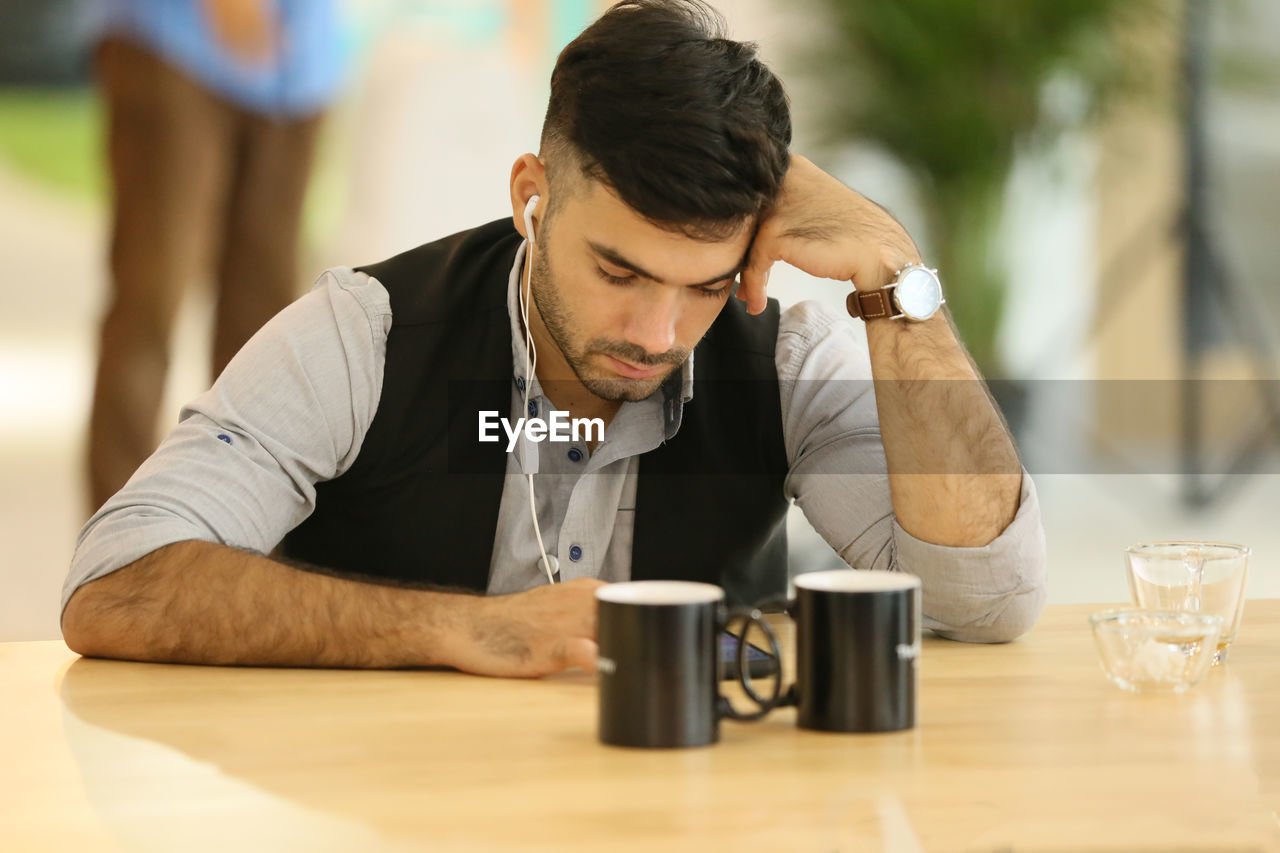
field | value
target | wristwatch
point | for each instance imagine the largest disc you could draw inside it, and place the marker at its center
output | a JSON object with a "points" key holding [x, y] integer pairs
{"points": [[914, 294]]}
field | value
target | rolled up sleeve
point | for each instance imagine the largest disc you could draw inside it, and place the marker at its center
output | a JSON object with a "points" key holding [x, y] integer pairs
{"points": [[291, 409], [839, 478], [987, 594]]}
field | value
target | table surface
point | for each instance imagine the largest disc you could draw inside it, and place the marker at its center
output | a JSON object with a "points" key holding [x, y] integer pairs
{"points": [[1021, 746]]}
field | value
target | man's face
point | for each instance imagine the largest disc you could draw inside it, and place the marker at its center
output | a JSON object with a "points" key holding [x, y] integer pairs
{"points": [[624, 300]]}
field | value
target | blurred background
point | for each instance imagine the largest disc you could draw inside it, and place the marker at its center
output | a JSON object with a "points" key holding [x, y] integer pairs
{"points": [[1096, 180]]}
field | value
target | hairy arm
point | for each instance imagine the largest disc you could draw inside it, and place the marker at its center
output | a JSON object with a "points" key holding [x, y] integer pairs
{"points": [[840, 478], [170, 568], [954, 473], [203, 603]]}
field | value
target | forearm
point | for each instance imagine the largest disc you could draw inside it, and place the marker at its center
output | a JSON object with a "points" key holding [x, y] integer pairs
{"points": [[199, 602], [954, 473]]}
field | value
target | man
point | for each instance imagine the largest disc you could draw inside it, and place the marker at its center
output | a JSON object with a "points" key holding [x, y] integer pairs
{"points": [[213, 109], [352, 427]]}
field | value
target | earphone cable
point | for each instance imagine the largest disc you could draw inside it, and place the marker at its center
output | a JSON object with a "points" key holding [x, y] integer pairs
{"points": [[529, 368]]}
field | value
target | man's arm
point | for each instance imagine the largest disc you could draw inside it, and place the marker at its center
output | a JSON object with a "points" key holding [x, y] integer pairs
{"points": [[839, 477], [199, 602], [169, 568], [954, 474]]}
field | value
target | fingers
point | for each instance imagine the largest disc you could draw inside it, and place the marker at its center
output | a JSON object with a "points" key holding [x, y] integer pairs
{"points": [[753, 290], [577, 646], [545, 630], [753, 283], [586, 587], [569, 652]]}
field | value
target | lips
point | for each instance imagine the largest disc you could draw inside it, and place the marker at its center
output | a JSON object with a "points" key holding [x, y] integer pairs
{"points": [[631, 371]]}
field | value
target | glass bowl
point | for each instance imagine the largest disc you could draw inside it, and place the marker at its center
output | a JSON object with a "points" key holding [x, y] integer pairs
{"points": [[1153, 651]]}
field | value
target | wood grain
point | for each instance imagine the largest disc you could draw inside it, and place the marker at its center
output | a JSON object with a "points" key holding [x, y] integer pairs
{"points": [[1020, 747]]}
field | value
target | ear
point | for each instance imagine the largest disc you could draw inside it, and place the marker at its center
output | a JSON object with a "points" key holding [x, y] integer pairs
{"points": [[528, 178]]}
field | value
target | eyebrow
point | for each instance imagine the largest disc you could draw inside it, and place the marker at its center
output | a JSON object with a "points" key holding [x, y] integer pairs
{"points": [[613, 257]]}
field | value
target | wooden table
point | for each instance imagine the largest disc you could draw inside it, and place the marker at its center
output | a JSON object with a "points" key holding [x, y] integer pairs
{"points": [[1020, 747]]}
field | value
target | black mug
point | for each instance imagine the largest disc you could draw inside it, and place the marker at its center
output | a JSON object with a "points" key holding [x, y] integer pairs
{"points": [[659, 663], [857, 647]]}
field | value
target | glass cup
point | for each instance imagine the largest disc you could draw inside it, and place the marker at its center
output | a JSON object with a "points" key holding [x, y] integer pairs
{"points": [[1147, 651], [1202, 577]]}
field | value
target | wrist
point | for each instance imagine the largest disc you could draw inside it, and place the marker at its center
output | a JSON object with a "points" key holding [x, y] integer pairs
{"points": [[891, 261], [924, 350], [441, 628]]}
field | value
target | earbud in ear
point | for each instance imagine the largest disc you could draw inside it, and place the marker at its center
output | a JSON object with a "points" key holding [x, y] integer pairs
{"points": [[528, 217]]}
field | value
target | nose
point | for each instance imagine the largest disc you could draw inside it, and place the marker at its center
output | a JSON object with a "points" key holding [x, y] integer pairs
{"points": [[652, 321]]}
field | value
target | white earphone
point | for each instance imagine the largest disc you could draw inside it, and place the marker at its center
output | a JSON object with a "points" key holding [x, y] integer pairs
{"points": [[530, 366], [528, 217]]}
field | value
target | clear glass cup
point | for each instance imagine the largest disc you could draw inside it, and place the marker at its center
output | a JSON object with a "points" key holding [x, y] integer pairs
{"points": [[1201, 577], [1149, 651]]}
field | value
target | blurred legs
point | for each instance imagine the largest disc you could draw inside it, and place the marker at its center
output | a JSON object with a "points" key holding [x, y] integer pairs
{"points": [[200, 186], [258, 265], [168, 153]]}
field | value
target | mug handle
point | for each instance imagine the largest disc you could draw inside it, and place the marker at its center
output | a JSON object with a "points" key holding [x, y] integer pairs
{"points": [[764, 705], [790, 698]]}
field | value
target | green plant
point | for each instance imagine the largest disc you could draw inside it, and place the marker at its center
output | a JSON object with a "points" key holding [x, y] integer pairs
{"points": [[51, 136], [954, 90]]}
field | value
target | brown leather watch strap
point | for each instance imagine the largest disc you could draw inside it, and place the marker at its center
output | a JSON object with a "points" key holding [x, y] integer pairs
{"points": [[872, 305]]}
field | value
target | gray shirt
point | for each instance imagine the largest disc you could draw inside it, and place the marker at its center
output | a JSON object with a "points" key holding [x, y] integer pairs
{"points": [[293, 407]]}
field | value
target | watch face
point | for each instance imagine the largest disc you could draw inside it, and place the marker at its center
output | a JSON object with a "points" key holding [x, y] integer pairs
{"points": [[918, 293]]}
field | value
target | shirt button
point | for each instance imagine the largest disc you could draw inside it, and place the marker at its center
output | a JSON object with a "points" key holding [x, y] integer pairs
{"points": [[575, 553], [520, 382], [533, 408], [575, 455]]}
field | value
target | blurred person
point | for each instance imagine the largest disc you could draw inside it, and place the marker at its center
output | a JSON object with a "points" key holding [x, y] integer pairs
{"points": [[213, 107], [336, 498]]}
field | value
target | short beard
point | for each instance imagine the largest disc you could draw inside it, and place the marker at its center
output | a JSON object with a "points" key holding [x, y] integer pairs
{"points": [[557, 319]]}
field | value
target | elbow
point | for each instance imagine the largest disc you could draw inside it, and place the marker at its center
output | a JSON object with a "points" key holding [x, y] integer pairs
{"points": [[77, 626], [1004, 589], [121, 614], [90, 629], [1002, 621]]}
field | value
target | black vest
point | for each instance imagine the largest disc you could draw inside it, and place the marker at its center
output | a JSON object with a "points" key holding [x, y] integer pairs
{"points": [[419, 506]]}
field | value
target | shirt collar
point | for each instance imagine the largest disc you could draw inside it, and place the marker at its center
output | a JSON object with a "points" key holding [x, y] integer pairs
{"points": [[675, 391]]}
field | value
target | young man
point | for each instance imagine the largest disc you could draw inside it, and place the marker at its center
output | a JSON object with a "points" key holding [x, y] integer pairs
{"points": [[351, 430]]}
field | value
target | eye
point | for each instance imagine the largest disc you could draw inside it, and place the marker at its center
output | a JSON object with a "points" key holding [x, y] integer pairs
{"points": [[714, 290], [614, 279]]}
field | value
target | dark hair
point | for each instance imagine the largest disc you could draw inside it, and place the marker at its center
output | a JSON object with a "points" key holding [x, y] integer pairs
{"points": [[689, 128]]}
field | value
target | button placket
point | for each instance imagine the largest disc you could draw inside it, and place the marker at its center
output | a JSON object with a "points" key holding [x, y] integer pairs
{"points": [[578, 557]]}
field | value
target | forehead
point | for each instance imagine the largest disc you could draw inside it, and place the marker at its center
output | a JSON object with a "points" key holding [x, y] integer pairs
{"points": [[594, 214]]}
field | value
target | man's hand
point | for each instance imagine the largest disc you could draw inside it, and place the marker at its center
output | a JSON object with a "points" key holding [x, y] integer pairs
{"points": [[542, 631], [827, 230], [200, 602]]}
